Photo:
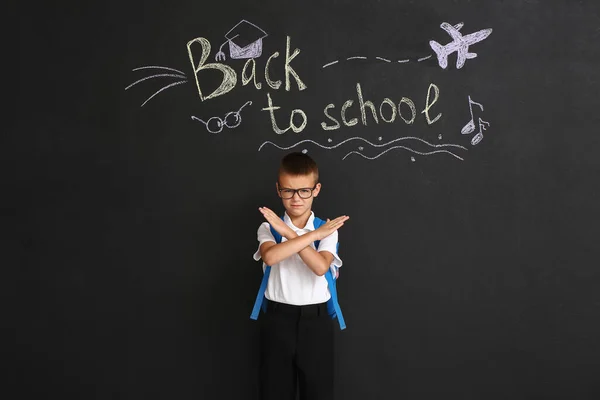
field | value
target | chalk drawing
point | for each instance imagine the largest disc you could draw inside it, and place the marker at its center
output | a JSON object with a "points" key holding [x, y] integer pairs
{"points": [[405, 148], [331, 63], [160, 90], [470, 126], [232, 119], [483, 125], [364, 140], [460, 44], [437, 146], [245, 41], [159, 67], [229, 76], [155, 76], [180, 76], [387, 60]]}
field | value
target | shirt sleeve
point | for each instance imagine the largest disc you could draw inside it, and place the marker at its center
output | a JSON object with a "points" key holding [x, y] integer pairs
{"points": [[263, 235], [329, 244]]}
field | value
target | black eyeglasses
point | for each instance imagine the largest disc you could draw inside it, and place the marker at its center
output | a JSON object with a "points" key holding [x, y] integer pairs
{"points": [[304, 193]]}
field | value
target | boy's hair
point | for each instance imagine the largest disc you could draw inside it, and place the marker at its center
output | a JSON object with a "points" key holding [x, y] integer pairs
{"points": [[299, 164]]}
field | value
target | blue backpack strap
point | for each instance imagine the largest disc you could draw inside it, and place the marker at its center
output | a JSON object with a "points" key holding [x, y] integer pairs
{"points": [[333, 306], [260, 297], [261, 300]]}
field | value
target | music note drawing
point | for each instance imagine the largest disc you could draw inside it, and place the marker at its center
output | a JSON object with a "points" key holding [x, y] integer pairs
{"points": [[470, 126]]}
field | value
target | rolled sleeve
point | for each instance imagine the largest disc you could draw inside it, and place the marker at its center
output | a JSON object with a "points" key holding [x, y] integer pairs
{"points": [[263, 235], [329, 244]]}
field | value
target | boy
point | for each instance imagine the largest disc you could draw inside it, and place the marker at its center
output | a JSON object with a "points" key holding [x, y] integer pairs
{"points": [[296, 332]]}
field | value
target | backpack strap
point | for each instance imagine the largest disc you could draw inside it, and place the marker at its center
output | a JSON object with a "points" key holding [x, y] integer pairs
{"points": [[333, 307], [261, 300]]}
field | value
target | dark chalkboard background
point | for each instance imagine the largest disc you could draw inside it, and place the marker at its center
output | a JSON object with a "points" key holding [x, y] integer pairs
{"points": [[127, 231]]}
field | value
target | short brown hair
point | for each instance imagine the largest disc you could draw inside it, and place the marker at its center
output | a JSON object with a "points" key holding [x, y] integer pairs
{"points": [[299, 164]]}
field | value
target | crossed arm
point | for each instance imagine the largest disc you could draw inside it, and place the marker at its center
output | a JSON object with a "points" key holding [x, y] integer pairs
{"points": [[318, 262]]}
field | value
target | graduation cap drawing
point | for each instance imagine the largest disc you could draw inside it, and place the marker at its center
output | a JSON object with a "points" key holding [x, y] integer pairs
{"points": [[245, 41]]}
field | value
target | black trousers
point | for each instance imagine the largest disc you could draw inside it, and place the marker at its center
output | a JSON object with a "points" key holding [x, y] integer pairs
{"points": [[296, 352]]}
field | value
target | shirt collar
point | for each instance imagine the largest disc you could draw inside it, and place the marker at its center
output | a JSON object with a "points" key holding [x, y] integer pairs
{"points": [[310, 224]]}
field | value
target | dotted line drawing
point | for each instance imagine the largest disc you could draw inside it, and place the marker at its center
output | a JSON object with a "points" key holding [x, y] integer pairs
{"points": [[387, 60]]}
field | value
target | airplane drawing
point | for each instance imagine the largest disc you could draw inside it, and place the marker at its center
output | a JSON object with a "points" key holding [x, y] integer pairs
{"points": [[459, 43]]}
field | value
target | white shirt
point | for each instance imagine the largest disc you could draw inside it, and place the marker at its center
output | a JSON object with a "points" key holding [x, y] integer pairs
{"points": [[291, 281]]}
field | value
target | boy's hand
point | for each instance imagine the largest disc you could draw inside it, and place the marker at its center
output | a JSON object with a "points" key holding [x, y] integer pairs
{"points": [[330, 226], [276, 222]]}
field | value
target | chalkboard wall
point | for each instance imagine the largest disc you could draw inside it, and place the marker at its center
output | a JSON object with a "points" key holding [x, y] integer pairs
{"points": [[459, 136]]}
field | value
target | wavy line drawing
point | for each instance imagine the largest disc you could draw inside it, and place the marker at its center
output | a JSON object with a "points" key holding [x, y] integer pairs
{"points": [[158, 67], [160, 90], [364, 140], [405, 148], [377, 58]]}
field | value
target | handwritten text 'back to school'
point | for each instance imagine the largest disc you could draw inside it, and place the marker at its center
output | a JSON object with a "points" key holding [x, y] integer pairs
{"points": [[387, 111]]}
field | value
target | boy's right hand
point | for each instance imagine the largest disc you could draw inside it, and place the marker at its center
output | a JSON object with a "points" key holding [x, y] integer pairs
{"points": [[330, 226]]}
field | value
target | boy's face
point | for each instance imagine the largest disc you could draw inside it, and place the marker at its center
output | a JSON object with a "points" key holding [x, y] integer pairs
{"points": [[297, 205]]}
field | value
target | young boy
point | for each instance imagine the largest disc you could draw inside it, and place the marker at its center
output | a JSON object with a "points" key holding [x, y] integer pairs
{"points": [[296, 332]]}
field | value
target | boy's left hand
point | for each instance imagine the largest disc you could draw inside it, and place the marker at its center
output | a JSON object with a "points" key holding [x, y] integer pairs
{"points": [[276, 222]]}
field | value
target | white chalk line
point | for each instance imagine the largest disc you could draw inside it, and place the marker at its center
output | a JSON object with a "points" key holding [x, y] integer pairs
{"points": [[377, 58], [164, 88], [158, 67], [405, 148], [155, 76], [364, 140], [331, 63]]}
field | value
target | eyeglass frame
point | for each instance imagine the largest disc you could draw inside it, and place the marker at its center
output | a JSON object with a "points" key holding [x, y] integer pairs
{"points": [[296, 191]]}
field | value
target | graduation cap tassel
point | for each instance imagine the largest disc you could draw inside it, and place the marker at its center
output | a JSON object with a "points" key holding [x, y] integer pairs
{"points": [[221, 54]]}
